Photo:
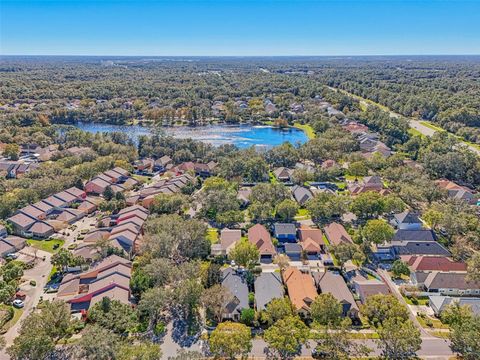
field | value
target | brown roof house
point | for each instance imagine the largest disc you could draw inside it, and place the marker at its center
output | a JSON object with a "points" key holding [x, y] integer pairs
{"points": [[228, 239], [110, 278], [311, 241], [301, 289], [41, 230], [283, 174], [366, 288], [260, 237], [333, 283], [21, 223], [451, 283], [336, 234], [97, 186]]}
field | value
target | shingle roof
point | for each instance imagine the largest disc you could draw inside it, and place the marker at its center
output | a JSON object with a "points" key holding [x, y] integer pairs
{"points": [[407, 217], [414, 235], [419, 248], [22, 220], [301, 288], [368, 288], [285, 229], [268, 286], [259, 236], [449, 280], [334, 284], [238, 287], [32, 211], [337, 234], [439, 303], [434, 263]]}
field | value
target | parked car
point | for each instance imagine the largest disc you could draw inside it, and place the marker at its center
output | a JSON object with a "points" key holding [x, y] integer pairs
{"points": [[11, 256], [18, 303]]}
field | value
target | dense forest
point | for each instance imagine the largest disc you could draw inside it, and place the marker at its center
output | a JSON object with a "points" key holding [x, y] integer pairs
{"points": [[444, 90]]}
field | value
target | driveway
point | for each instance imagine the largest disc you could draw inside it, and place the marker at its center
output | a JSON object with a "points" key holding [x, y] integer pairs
{"points": [[39, 273]]}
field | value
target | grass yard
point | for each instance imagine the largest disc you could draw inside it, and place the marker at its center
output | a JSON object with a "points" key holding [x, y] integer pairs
{"points": [[302, 214], [352, 178], [415, 132], [16, 315], [142, 179], [307, 129], [431, 126], [431, 323], [46, 245], [212, 235], [420, 301]]}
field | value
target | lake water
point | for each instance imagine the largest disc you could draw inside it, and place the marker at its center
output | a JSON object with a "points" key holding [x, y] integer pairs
{"points": [[242, 136]]}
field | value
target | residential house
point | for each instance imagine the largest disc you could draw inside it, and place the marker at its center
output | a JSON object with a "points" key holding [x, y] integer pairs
{"points": [[285, 232], [11, 244], [237, 284], [421, 266], [301, 289], [79, 194], [407, 220], [333, 283], [439, 303], [456, 191], [33, 212], [41, 230], [228, 239], [110, 278], [451, 283], [369, 183], [301, 194], [293, 251], [21, 223], [336, 234], [283, 174], [260, 237], [70, 215], [366, 288], [268, 286], [56, 202], [311, 241], [97, 186]]}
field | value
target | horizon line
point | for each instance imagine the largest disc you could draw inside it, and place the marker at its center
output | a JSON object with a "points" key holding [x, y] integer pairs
{"points": [[292, 55]]}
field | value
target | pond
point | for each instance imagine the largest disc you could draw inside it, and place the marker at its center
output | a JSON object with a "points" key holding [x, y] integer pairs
{"points": [[242, 136]]}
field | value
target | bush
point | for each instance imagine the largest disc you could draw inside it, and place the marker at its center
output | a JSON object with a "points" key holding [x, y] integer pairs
{"points": [[247, 316], [159, 329]]}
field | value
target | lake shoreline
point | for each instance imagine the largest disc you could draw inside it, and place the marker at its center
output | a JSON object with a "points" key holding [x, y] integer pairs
{"points": [[242, 135]]}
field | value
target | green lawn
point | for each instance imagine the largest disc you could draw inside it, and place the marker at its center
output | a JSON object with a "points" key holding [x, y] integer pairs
{"points": [[142, 179], [302, 214], [352, 178], [415, 132], [307, 129], [212, 235], [16, 315], [436, 323], [46, 245], [431, 126], [421, 301]]}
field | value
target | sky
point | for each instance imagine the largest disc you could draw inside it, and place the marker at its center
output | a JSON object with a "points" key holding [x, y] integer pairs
{"points": [[239, 27]]}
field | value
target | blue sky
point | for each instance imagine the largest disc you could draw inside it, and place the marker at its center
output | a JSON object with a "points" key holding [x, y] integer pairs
{"points": [[240, 27]]}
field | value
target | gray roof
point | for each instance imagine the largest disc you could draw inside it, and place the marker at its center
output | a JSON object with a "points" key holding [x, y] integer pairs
{"points": [[407, 217], [419, 248], [268, 286], [334, 284], [414, 235], [293, 248], [239, 289], [449, 280], [301, 194], [284, 229], [439, 303]]}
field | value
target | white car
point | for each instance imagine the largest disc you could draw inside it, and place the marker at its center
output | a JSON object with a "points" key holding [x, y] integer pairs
{"points": [[18, 303]]}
